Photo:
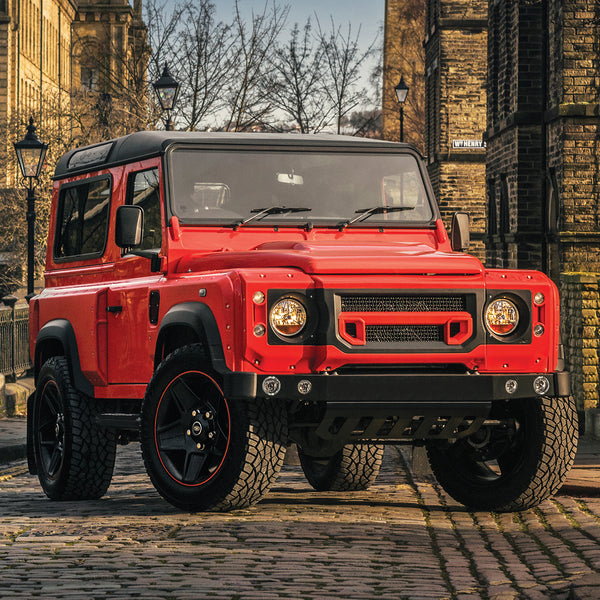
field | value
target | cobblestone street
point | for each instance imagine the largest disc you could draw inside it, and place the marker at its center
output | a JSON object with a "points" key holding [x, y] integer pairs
{"points": [[401, 539]]}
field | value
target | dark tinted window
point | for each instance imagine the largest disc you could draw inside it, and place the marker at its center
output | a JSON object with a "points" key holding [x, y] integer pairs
{"points": [[82, 223], [143, 191]]}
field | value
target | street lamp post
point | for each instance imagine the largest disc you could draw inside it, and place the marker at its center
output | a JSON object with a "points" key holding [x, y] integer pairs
{"points": [[166, 88], [401, 93], [31, 153]]}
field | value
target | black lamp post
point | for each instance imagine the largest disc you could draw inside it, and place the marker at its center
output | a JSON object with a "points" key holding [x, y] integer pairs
{"points": [[31, 153], [166, 88], [401, 92]]}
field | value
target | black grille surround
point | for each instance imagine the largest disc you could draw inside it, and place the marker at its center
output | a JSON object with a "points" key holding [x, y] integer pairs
{"points": [[406, 338], [327, 305]]}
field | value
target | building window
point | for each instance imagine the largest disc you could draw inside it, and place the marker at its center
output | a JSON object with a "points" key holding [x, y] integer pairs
{"points": [[89, 79], [504, 205], [492, 219]]}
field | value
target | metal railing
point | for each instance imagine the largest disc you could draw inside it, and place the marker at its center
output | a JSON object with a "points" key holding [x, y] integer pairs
{"points": [[14, 340]]}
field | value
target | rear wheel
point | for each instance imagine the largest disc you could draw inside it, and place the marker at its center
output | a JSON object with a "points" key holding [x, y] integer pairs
{"points": [[354, 468], [513, 466], [203, 451], [75, 458]]}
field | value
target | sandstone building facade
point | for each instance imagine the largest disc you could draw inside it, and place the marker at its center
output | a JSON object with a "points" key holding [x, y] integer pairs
{"points": [[522, 76], [454, 115], [54, 51]]}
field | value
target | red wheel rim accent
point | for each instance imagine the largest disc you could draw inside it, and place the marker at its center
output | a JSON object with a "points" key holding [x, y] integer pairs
{"points": [[156, 442]]}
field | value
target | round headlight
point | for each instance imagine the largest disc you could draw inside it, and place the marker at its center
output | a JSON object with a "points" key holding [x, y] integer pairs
{"points": [[501, 317], [288, 317]]}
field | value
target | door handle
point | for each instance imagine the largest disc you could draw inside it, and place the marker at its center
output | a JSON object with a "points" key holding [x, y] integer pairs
{"points": [[114, 309]]}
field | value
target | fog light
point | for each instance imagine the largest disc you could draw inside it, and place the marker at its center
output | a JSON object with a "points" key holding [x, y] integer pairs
{"points": [[541, 385], [258, 298], [259, 330], [304, 386], [538, 330], [539, 298], [271, 386], [511, 386]]}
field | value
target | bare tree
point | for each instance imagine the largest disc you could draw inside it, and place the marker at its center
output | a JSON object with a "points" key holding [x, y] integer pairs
{"points": [[405, 56], [343, 61], [295, 82], [247, 99], [205, 63]]}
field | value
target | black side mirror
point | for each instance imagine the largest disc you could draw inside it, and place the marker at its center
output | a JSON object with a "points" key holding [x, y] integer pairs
{"points": [[459, 233], [129, 226]]}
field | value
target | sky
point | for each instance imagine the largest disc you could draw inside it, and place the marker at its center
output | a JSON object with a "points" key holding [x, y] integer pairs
{"points": [[366, 14]]}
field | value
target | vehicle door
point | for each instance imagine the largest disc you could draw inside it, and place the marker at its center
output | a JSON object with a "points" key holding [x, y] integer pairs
{"points": [[132, 301]]}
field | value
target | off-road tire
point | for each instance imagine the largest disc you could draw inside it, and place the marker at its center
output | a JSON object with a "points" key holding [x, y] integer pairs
{"points": [[354, 468], [75, 458], [233, 468], [532, 469]]}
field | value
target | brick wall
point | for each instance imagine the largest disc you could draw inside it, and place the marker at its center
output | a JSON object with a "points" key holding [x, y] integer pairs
{"points": [[456, 108], [580, 300], [515, 187]]}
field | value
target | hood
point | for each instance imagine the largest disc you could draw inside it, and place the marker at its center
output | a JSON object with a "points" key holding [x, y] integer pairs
{"points": [[339, 258]]}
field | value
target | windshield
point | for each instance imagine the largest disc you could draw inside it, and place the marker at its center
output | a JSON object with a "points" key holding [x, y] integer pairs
{"points": [[282, 187]]}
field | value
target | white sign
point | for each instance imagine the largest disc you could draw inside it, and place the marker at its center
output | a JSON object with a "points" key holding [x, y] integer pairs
{"points": [[468, 144]]}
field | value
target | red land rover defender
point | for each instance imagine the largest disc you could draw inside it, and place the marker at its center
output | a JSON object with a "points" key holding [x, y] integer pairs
{"points": [[222, 295]]}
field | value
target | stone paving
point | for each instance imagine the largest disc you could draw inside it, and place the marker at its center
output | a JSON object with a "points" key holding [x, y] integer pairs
{"points": [[404, 538]]}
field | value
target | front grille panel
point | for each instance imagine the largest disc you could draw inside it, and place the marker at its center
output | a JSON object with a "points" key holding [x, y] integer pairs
{"points": [[406, 321], [390, 334], [398, 303]]}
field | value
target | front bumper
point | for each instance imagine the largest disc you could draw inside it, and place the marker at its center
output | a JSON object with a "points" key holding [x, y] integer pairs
{"points": [[391, 407], [398, 388]]}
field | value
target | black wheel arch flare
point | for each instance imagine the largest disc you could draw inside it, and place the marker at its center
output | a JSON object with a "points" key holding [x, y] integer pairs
{"points": [[58, 337], [199, 318]]}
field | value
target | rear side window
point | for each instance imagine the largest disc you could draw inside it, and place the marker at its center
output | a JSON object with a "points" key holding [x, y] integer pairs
{"points": [[143, 191], [82, 219]]}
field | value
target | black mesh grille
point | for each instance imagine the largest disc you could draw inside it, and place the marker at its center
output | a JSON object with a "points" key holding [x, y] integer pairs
{"points": [[403, 303], [404, 333]]}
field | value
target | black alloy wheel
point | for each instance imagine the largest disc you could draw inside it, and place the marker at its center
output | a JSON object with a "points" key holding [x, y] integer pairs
{"points": [[74, 457], [203, 451]]}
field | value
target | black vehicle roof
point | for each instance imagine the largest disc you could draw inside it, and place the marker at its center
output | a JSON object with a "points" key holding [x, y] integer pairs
{"points": [[146, 144]]}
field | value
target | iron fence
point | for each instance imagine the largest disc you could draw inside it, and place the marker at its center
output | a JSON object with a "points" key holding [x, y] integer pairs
{"points": [[14, 340]]}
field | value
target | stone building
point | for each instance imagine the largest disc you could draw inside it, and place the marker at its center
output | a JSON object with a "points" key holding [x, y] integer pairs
{"points": [[543, 171], [52, 51], [455, 103], [536, 198]]}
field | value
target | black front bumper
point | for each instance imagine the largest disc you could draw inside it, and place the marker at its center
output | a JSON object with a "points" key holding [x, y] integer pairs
{"points": [[397, 388], [393, 407]]}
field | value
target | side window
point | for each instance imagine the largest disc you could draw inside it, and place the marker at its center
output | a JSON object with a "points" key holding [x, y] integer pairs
{"points": [[82, 223], [142, 190]]}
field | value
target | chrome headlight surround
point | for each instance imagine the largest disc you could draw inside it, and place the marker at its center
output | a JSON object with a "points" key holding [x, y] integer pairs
{"points": [[288, 316]]}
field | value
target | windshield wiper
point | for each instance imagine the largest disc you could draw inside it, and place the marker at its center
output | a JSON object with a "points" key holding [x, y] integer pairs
{"points": [[365, 213], [271, 210]]}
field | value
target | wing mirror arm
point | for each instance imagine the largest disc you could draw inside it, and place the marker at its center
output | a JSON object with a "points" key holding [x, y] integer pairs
{"points": [[459, 232]]}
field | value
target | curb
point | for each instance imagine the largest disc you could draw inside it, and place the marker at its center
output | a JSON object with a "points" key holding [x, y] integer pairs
{"points": [[12, 453]]}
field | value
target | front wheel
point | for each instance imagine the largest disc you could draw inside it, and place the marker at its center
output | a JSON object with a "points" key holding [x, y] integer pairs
{"points": [[513, 465], [203, 451]]}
